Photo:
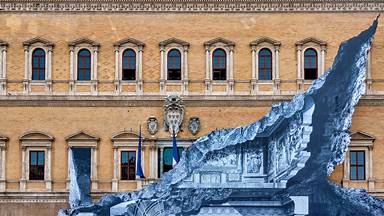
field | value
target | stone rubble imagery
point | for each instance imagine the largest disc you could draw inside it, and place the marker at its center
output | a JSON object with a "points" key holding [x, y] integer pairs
{"points": [[277, 165]]}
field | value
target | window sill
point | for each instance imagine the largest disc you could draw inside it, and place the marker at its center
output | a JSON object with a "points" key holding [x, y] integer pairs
{"points": [[37, 181]]}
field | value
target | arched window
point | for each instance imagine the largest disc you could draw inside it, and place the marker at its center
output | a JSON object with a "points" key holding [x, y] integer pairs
{"points": [[265, 64], [174, 65], [38, 64], [129, 65], [310, 64], [84, 65], [219, 65]]}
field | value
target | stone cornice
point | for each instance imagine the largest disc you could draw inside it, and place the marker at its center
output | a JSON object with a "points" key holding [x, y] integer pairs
{"points": [[192, 6], [158, 101]]}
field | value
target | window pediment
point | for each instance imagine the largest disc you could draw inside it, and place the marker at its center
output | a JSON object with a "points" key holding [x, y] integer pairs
{"points": [[36, 136], [82, 136], [3, 43], [267, 40], [311, 40], [38, 40], [129, 40], [125, 136], [219, 41], [85, 41], [174, 41], [360, 135]]}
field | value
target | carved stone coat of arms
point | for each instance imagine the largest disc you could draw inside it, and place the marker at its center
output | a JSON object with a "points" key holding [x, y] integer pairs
{"points": [[173, 113]]}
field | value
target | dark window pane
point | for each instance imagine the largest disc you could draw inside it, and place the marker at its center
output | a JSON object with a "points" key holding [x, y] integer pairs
{"points": [[219, 65], [174, 65], [33, 158], [357, 165], [360, 158], [265, 64], [129, 65], [128, 165], [310, 64], [38, 64], [84, 65], [168, 157], [361, 172], [353, 173], [36, 165]]}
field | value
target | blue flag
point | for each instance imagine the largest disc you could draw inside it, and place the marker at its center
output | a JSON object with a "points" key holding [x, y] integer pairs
{"points": [[139, 170], [175, 151]]}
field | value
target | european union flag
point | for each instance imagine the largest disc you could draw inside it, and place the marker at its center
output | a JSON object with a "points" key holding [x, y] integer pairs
{"points": [[175, 152], [139, 170]]}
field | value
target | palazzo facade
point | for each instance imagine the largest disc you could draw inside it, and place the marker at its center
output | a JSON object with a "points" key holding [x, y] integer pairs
{"points": [[89, 74]]}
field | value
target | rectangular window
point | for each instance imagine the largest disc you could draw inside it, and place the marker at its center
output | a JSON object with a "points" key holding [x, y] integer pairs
{"points": [[128, 165], [168, 158], [36, 165], [357, 165]]}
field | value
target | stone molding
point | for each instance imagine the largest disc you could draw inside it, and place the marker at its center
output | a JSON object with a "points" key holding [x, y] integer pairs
{"points": [[192, 6], [157, 101]]}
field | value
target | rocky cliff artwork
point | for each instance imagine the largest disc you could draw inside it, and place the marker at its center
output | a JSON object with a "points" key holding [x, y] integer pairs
{"points": [[273, 166]]}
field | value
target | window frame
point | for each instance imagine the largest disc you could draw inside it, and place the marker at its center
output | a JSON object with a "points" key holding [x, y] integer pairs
{"points": [[36, 141], [181, 63], [317, 62], [271, 64], [119, 84], [226, 57], [44, 56], [29, 47], [74, 48], [122, 64], [356, 165], [127, 166], [37, 166], [182, 148], [78, 65]]}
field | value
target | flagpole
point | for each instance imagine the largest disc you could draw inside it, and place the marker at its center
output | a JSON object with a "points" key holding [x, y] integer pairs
{"points": [[175, 151], [139, 170]]}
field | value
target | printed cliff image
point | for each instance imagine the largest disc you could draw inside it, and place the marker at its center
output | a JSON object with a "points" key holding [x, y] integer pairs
{"points": [[277, 165]]}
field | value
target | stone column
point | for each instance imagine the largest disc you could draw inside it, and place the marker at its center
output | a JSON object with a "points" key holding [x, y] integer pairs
{"points": [[300, 86], [185, 68], [117, 70], [48, 179], [48, 75], [69, 167], [276, 78], [94, 168], [71, 70], [26, 70], [371, 180], [4, 64], [23, 170], [345, 181], [115, 180], [139, 85], [162, 70], [207, 81], [2, 174], [255, 62], [3, 68], [369, 74], [161, 161], [94, 72], [231, 81]]}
